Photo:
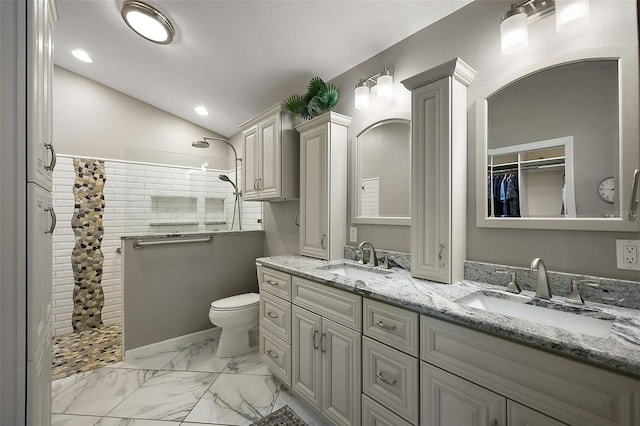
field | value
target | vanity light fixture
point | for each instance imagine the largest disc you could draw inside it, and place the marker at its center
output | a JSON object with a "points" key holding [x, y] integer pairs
{"points": [[147, 21], [514, 33], [381, 82], [81, 55]]}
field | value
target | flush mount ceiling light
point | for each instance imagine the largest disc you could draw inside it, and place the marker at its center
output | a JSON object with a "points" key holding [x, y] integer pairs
{"points": [[147, 21], [81, 55], [514, 33], [381, 82]]}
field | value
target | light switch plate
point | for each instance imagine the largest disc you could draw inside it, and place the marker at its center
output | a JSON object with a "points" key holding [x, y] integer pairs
{"points": [[627, 252], [353, 234]]}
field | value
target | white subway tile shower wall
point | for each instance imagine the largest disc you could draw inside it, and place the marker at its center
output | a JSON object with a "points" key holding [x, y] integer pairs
{"points": [[128, 191]]}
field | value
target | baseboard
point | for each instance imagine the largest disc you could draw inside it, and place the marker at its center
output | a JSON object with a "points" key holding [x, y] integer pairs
{"points": [[171, 344]]}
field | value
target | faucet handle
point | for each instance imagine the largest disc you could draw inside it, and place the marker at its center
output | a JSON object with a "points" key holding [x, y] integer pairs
{"points": [[385, 263], [361, 260], [513, 286], [575, 296]]}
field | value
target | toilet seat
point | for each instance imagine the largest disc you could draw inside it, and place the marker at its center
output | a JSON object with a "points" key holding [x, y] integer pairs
{"points": [[234, 303]]}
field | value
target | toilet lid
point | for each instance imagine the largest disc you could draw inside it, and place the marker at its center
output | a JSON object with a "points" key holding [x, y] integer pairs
{"points": [[236, 302]]}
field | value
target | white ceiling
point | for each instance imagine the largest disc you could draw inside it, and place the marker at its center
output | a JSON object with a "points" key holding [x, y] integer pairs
{"points": [[235, 57]]}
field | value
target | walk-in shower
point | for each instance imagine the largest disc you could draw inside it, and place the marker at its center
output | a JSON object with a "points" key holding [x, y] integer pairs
{"points": [[204, 143]]}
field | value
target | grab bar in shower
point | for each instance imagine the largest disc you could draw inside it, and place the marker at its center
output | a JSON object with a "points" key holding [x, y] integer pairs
{"points": [[144, 243]]}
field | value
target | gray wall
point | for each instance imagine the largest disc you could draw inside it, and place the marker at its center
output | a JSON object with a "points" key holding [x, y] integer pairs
{"points": [[472, 33], [168, 289]]}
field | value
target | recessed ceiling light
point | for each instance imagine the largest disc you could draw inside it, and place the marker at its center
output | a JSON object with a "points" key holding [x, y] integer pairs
{"points": [[148, 22], [201, 110], [82, 55]]}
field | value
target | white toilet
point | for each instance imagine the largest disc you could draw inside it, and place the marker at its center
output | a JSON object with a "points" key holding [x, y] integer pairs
{"points": [[236, 315]]}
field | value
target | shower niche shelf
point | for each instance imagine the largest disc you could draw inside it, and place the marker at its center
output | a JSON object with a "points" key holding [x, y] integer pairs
{"points": [[171, 210]]}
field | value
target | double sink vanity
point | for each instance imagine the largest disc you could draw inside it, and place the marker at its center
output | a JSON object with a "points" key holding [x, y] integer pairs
{"points": [[367, 345]]}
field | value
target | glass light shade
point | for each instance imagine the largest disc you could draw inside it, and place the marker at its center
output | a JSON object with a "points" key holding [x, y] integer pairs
{"points": [[362, 96], [571, 14], [385, 87], [147, 27], [514, 34]]}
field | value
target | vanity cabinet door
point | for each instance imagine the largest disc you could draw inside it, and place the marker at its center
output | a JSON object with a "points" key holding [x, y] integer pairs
{"points": [[341, 384], [251, 163], [323, 186], [271, 160], [306, 377], [448, 400], [314, 220], [519, 415]]}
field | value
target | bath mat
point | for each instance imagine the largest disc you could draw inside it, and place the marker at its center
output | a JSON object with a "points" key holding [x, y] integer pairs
{"points": [[282, 417]]}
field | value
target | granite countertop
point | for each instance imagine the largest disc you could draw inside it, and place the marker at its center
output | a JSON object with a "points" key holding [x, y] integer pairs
{"points": [[620, 351], [183, 234]]}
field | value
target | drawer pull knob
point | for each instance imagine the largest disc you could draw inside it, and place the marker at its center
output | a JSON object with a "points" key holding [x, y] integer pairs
{"points": [[322, 348], [272, 282], [272, 315], [271, 354], [386, 327], [385, 380], [494, 422], [315, 339]]}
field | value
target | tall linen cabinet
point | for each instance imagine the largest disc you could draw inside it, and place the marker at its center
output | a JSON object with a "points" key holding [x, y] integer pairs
{"points": [[27, 218], [41, 219], [439, 170], [323, 186]]}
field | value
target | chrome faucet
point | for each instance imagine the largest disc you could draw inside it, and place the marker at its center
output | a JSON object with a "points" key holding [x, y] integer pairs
{"points": [[543, 290], [373, 259]]}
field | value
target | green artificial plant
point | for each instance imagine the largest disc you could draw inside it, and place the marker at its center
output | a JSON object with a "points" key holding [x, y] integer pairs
{"points": [[320, 97]]}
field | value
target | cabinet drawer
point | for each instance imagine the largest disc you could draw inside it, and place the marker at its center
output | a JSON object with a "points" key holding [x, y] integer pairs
{"points": [[391, 378], [570, 391], [275, 315], [391, 325], [519, 415], [374, 414], [340, 306], [275, 282], [276, 355]]}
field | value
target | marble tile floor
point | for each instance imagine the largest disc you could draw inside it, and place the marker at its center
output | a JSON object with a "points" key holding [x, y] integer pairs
{"points": [[181, 387]]}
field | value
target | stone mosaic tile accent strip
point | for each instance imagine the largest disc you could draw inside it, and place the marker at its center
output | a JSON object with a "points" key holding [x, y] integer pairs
{"points": [[86, 350], [86, 257]]}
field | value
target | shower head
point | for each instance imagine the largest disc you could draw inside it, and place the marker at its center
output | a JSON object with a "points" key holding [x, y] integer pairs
{"points": [[200, 144], [225, 178]]}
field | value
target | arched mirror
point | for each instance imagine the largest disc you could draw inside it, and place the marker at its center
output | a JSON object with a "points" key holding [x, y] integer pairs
{"points": [[382, 173], [560, 147]]}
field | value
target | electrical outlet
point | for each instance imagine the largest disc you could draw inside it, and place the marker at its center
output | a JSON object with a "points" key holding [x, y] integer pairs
{"points": [[353, 234], [627, 254]]}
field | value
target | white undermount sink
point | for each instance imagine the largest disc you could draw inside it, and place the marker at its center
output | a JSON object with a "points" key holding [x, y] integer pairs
{"points": [[354, 271], [574, 319]]}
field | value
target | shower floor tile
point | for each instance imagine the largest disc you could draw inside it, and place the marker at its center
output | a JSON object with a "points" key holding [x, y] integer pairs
{"points": [[86, 350]]}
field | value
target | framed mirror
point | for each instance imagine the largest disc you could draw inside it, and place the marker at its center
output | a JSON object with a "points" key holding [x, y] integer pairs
{"points": [[558, 146], [382, 173]]}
